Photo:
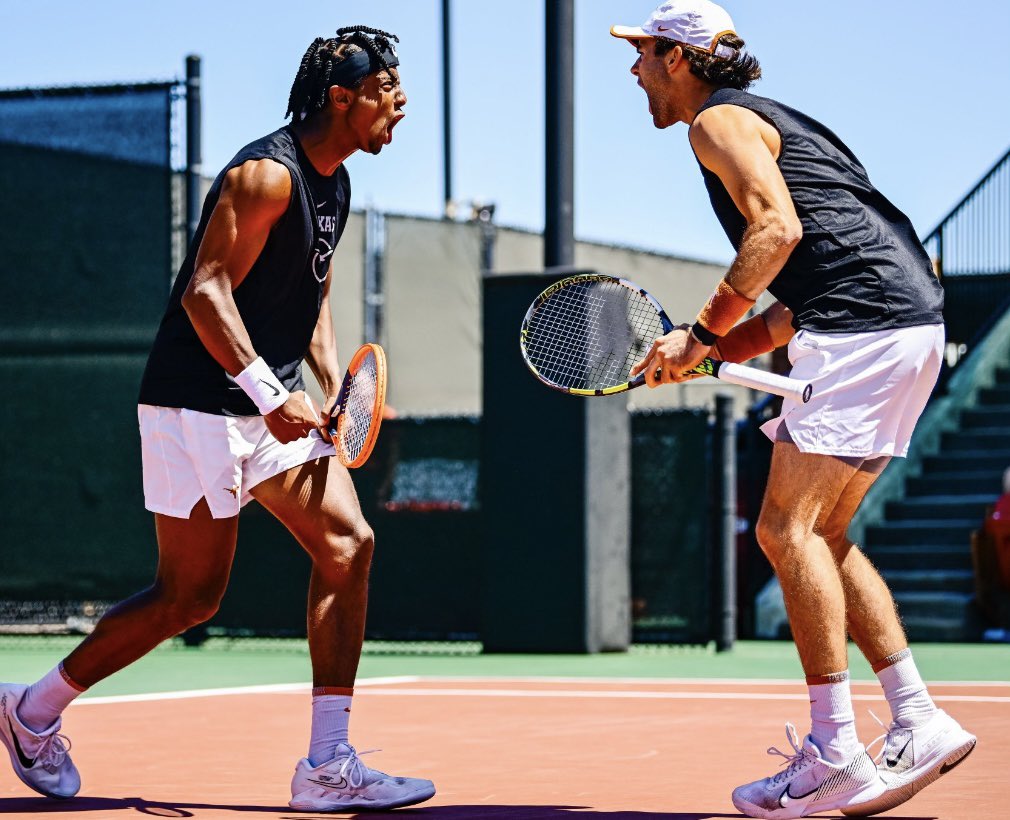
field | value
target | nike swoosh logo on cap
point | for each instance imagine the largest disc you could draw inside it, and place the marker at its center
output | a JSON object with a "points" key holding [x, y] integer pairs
{"points": [[26, 761]]}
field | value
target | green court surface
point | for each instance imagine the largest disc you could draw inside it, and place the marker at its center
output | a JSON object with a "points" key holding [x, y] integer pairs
{"points": [[225, 662]]}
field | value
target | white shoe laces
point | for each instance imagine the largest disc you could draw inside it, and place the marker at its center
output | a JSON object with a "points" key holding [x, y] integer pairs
{"points": [[53, 751], [353, 770], [886, 737], [796, 762]]}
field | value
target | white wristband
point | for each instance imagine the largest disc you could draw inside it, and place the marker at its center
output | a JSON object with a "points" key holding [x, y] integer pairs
{"points": [[262, 386]]}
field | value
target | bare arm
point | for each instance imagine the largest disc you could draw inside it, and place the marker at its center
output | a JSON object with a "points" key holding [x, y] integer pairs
{"points": [[253, 198], [322, 358], [779, 319], [734, 144], [740, 148]]}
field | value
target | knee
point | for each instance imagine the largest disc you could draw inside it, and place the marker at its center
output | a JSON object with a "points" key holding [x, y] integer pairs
{"points": [[183, 609], [347, 555], [776, 534]]}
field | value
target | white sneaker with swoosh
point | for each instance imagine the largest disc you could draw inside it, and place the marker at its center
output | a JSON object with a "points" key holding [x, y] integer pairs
{"points": [[41, 760], [911, 759], [347, 784], [809, 784]]}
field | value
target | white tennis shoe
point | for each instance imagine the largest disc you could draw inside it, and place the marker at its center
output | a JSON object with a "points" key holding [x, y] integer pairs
{"points": [[347, 784], [809, 784], [911, 759], [41, 760]]}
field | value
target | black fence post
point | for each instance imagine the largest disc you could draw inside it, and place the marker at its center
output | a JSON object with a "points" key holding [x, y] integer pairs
{"points": [[725, 449], [194, 150]]}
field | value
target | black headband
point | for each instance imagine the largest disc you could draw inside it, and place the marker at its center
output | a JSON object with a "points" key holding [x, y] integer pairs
{"points": [[352, 70]]}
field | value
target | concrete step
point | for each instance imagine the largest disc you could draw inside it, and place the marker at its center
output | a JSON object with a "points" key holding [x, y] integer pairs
{"points": [[946, 605], [920, 532], [941, 630], [930, 580], [988, 482], [967, 461], [991, 416], [939, 507], [926, 558], [1000, 394], [977, 438]]}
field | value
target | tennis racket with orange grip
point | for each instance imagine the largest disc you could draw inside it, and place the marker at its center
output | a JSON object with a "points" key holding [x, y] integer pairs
{"points": [[356, 416]]}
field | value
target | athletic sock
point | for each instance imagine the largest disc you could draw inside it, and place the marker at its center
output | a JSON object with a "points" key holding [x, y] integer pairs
{"points": [[331, 712], [911, 705], [45, 700], [833, 723]]}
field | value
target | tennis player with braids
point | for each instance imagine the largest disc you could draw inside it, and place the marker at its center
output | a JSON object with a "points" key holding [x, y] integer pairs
{"points": [[860, 308], [224, 418]]}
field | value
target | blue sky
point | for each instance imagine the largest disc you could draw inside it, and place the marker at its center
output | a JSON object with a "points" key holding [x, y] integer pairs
{"points": [[915, 87]]}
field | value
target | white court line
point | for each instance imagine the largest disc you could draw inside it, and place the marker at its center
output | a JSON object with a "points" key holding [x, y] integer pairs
{"points": [[676, 681], [370, 687], [640, 695], [265, 689]]}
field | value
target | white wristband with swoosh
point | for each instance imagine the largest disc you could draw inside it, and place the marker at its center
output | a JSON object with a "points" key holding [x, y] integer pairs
{"points": [[262, 386]]}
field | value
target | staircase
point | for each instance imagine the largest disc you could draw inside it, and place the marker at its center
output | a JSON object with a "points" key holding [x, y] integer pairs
{"points": [[923, 546]]}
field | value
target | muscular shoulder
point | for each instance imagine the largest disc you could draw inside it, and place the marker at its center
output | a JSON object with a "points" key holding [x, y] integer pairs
{"points": [[263, 185], [728, 128]]}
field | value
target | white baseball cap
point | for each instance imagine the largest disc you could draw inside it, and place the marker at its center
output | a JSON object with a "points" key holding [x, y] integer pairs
{"points": [[697, 23]]}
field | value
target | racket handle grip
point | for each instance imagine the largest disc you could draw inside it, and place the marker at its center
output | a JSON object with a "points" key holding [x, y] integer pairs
{"points": [[797, 390]]}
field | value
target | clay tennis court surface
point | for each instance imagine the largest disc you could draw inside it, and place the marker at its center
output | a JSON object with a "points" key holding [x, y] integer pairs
{"points": [[502, 748]]}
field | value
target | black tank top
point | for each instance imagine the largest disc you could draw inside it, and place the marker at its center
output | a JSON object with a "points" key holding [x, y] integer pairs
{"points": [[860, 265], [279, 300]]}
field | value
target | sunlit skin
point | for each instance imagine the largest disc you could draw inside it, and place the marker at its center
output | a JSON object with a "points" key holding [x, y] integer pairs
{"points": [[742, 150], [316, 500], [827, 582]]}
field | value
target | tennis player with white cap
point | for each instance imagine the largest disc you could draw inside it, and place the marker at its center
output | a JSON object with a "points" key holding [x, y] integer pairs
{"points": [[861, 310]]}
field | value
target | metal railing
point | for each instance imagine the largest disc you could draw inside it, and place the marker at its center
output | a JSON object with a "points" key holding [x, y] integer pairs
{"points": [[974, 238]]}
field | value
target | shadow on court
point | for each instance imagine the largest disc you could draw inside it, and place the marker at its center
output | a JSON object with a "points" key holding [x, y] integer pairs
{"points": [[131, 805]]}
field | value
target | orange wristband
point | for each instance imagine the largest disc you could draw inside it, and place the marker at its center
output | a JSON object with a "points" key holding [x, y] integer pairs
{"points": [[724, 309], [745, 341]]}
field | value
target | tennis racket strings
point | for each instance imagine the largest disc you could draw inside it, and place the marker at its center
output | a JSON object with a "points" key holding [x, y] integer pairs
{"points": [[588, 335], [359, 408]]}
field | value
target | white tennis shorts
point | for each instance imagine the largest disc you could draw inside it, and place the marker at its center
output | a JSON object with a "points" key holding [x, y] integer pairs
{"points": [[869, 390], [189, 455]]}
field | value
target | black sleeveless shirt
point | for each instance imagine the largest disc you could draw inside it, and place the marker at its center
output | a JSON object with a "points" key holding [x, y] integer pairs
{"points": [[279, 299], [860, 265]]}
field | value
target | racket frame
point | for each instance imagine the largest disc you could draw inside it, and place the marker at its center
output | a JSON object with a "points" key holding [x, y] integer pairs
{"points": [[577, 279], [797, 390], [337, 421]]}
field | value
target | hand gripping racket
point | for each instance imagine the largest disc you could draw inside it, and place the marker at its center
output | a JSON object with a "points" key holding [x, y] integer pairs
{"points": [[355, 419], [584, 334]]}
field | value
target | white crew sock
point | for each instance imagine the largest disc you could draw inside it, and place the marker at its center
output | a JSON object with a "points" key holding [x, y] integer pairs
{"points": [[331, 713], [833, 723], [45, 700], [911, 705]]}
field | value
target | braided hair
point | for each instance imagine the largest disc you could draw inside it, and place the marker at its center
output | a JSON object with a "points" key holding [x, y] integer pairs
{"points": [[315, 74]]}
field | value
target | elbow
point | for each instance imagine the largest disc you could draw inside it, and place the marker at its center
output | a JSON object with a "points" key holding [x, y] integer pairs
{"points": [[788, 233], [196, 296]]}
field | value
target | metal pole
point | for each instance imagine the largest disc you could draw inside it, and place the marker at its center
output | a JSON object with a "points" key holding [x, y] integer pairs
{"points": [[725, 430], [559, 216], [194, 151], [446, 108]]}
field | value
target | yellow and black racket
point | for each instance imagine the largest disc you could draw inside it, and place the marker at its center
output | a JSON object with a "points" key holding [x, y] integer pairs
{"points": [[584, 334], [356, 416]]}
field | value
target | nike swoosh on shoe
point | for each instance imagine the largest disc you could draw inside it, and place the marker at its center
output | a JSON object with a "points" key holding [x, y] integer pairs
{"points": [[26, 761]]}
